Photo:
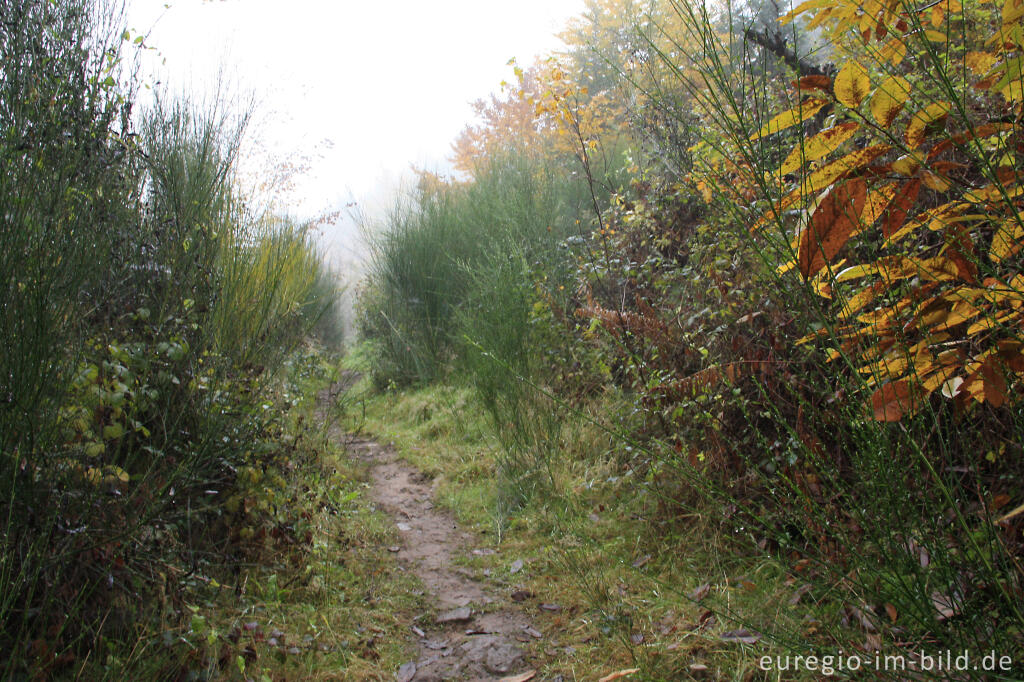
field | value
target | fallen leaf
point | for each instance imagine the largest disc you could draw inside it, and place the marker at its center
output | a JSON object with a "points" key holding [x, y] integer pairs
{"points": [[636, 638], [945, 606], [620, 673], [891, 610], [743, 636], [700, 592], [532, 632], [419, 633], [642, 561]]}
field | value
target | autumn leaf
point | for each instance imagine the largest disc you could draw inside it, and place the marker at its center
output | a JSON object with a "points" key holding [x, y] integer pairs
{"points": [[813, 82], [900, 207], [830, 227], [892, 400], [918, 124], [819, 146], [852, 84], [888, 100], [788, 119]]}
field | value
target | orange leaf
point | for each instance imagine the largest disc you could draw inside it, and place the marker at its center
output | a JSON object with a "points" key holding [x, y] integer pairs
{"points": [[995, 385], [823, 83], [831, 225], [900, 206], [892, 400]]}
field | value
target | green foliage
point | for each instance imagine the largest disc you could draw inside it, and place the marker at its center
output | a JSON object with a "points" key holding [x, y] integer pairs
{"points": [[144, 314]]}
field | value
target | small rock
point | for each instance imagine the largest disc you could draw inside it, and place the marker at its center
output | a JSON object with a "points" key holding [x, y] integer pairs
{"points": [[404, 527], [516, 566], [394, 548], [554, 608], [456, 615], [406, 672]]}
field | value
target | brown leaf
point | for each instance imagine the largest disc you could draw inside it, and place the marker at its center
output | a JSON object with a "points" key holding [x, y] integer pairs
{"points": [[743, 636], [700, 592], [900, 207], [891, 610], [892, 400], [620, 673], [831, 225], [823, 83]]}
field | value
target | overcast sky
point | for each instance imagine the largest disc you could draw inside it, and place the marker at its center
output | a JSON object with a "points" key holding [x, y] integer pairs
{"points": [[355, 91]]}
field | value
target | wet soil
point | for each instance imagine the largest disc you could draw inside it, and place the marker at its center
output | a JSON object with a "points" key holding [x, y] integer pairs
{"points": [[476, 634]]}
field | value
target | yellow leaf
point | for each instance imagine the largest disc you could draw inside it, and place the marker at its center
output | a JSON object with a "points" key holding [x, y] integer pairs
{"points": [[877, 202], [1006, 240], [935, 36], [930, 114], [894, 51], [1012, 11], [852, 84], [980, 63], [818, 147], [829, 173], [857, 302], [888, 100], [856, 272], [990, 322], [788, 119]]}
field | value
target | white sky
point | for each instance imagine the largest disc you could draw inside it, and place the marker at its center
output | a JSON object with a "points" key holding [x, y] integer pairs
{"points": [[353, 91]]}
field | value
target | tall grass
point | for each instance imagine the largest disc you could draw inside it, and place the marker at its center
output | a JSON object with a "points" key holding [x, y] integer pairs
{"points": [[435, 250], [143, 310]]}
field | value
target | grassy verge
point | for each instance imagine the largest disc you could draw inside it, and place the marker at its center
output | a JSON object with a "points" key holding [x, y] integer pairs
{"points": [[608, 584], [312, 593]]}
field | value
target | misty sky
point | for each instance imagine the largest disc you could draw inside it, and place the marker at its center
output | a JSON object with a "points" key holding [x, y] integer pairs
{"points": [[352, 92]]}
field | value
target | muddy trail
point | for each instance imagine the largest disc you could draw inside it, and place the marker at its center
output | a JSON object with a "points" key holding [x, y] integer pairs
{"points": [[477, 633]]}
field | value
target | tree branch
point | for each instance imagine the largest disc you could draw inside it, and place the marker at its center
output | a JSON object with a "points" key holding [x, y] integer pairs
{"points": [[776, 44]]}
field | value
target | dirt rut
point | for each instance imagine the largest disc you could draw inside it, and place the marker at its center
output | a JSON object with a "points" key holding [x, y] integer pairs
{"points": [[476, 634]]}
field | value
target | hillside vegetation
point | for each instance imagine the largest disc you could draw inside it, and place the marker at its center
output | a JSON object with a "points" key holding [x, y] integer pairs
{"points": [[749, 281]]}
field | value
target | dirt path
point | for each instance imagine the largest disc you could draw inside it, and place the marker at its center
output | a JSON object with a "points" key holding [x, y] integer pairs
{"points": [[477, 635]]}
